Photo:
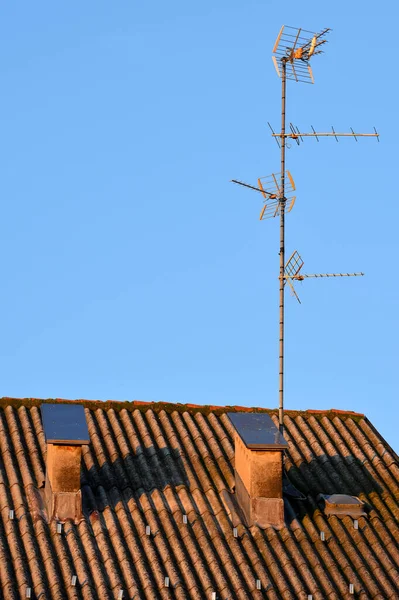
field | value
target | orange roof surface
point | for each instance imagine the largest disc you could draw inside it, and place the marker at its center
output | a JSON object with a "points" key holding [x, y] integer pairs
{"points": [[149, 464]]}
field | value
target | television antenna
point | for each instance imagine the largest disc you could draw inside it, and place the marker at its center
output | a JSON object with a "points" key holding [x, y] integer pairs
{"points": [[291, 56], [270, 189], [292, 273]]}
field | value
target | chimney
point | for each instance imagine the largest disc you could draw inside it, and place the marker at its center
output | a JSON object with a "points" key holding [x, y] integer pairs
{"points": [[259, 448], [65, 429]]}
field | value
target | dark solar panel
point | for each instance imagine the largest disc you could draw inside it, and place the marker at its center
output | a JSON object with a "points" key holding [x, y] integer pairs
{"points": [[257, 431], [65, 424]]}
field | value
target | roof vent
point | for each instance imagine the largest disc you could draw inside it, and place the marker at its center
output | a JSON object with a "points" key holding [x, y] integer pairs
{"points": [[259, 450], [66, 431], [342, 505]]}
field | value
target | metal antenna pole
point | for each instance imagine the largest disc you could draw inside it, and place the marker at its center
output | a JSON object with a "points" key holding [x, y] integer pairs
{"points": [[282, 250], [291, 55]]}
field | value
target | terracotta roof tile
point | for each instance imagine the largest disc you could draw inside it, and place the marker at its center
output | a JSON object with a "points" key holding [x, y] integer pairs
{"points": [[152, 463]]}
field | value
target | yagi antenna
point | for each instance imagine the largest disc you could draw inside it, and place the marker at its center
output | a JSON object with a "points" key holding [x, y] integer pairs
{"points": [[292, 52], [292, 273], [298, 136]]}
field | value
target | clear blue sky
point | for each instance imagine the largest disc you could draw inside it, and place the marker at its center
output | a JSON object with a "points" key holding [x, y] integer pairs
{"points": [[131, 268]]}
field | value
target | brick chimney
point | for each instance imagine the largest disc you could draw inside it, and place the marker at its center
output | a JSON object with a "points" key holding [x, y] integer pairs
{"points": [[259, 448], [66, 431]]}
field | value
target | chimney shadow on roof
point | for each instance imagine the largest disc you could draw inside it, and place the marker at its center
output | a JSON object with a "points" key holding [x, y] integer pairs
{"points": [[329, 475], [124, 481], [139, 472]]}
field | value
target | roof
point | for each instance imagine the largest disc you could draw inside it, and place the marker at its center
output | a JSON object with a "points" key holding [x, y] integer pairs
{"points": [[151, 464]]}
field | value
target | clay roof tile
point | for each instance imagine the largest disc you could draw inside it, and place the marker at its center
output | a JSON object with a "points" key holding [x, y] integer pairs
{"points": [[170, 467]]}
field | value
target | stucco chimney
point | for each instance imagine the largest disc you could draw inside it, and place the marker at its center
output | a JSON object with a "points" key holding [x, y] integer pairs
{"points": [[259, 448], [66, 431]]}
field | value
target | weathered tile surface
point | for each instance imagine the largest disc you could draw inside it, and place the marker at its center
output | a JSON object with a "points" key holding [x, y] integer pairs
{"points": [[149, 465]]}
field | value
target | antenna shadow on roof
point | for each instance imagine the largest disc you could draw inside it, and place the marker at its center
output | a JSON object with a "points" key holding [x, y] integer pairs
{"points": [[328, 475]]}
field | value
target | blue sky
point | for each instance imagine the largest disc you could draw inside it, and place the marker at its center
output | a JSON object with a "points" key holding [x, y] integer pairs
{"points": [[132, 268]]}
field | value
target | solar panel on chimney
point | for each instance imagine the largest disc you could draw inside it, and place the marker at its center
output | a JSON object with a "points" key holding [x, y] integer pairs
{"points": [[65, 424], [258, 431]]}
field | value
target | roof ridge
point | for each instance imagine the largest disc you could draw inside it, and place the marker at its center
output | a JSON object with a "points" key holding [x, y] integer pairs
{"points": [[334, 411], [168, 406]]}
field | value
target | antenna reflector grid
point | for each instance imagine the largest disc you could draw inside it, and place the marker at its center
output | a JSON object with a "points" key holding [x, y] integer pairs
{"points": [[293, 265], [295, 47], [270, 187]]}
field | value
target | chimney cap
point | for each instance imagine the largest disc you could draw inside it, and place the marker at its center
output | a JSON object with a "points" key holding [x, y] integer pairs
{"points": [[257, 431], [65, 424]]}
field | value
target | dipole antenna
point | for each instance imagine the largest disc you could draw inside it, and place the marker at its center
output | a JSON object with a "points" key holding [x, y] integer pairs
{"points": [[292, 52]]}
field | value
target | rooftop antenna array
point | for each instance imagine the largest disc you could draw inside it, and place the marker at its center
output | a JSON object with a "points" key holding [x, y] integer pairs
{"points": [[291, 56]]}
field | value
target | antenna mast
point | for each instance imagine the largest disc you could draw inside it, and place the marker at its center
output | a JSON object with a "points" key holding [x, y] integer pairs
{"points": [[291, 54], [282, 252]]}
